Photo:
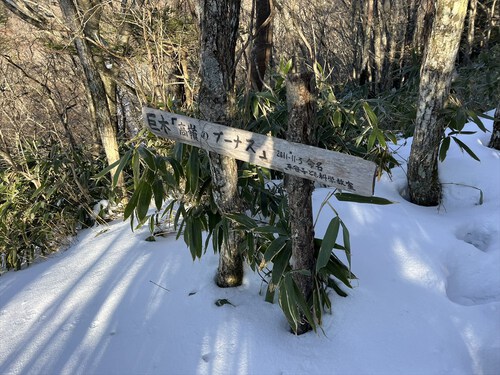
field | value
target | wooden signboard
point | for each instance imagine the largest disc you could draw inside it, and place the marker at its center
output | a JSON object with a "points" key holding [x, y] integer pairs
{"points": [[345, 172]]}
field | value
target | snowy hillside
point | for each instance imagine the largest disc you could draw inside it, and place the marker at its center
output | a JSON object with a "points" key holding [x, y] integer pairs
{"points": [[427, 300]]}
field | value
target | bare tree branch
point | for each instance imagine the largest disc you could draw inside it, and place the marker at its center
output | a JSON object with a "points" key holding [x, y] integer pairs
{"points": [[25, 11]]}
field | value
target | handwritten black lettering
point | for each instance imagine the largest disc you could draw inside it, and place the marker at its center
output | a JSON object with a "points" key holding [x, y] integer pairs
{"points": [[182, 130], [163, 125], [237, 141], [152, 121], [250, 145], [193, 132], [218, 135]]}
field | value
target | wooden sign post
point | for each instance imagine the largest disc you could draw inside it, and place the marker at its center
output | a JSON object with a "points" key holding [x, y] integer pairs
{"points": [[345, 172]]}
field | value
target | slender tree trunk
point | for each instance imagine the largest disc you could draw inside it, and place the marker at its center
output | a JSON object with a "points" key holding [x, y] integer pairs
{"points": [[383, 30], [490, 24], [98, 100], [111, 94], [219, 30], [471, 28], [439, 61], [365, 36], [263, 43], [184, 67], [301, 113], [427, 12], [495, 134]]}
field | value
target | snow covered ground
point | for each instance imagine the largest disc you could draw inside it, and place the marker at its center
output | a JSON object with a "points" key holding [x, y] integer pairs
{"points": [[427, 300]]}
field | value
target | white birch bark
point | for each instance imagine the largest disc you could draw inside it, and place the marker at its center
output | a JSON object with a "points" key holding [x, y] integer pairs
{"points": [[435, 78]]}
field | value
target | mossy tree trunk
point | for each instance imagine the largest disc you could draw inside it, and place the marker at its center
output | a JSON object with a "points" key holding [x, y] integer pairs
{"points": [[439, 61], [219, 31]]}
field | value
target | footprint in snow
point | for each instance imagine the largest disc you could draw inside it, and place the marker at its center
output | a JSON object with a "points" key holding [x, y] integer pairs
{"points": [[480, 234], [473, 277]]}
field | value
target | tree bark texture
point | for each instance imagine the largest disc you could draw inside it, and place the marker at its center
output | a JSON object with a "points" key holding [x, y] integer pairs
{"points": [[495, 134], [96, 90], [435, 77], [471, 29], [27, 14], [219, 30], [263, 43], [426, 14], [301, 113]]}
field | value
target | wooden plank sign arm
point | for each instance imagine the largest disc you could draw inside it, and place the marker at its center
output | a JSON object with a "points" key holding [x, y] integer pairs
{"points": [[345, 172]]}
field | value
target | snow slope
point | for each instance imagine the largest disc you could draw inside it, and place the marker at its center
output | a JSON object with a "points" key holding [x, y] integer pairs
{"points": [[427, 300]]}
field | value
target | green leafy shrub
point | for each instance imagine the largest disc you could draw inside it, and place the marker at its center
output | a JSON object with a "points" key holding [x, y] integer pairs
{"points": [[177, 178], [46, 193], [477, 85], [178, 181], [346, 122], [455, 116]]}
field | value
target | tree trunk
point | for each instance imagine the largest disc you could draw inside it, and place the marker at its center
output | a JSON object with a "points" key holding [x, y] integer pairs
{"points": [[490, 24], [263, 43], [427, 12], [439, 60], [184, 67], [225, 190], [301, 112], [495, 134], [96, 90], [471, 28], [383, 30], [219, 30]]}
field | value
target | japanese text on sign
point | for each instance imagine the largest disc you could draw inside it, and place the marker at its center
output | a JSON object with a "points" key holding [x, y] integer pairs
{"points": [[331, 168]]}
